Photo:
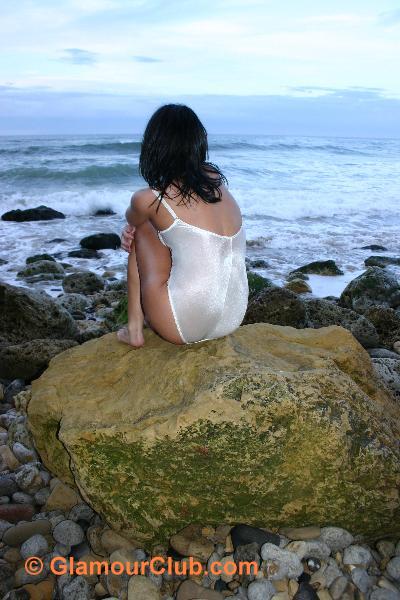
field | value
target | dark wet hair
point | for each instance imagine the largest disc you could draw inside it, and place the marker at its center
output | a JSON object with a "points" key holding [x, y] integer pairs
{"points": [[175, 151]]}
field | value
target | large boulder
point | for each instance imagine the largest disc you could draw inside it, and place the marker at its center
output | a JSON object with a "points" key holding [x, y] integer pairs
{"points": [[29, 359], [375, 286], [270, 426], [28, 315], [275, 305], [39, 213], [322, 313]]}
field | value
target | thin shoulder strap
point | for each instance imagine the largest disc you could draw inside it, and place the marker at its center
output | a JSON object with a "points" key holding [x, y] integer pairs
{"points": [[167, 206]]}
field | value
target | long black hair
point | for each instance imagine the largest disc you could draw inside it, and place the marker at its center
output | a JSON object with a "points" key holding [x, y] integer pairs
{"points": [[175, 151]]}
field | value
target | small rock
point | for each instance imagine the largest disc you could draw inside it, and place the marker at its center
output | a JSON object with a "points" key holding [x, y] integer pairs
{"points": [[361, 579], [246, 534], [34, 546], [393, 568], [141, 588], [336, 538], [68, 532], [24, 454], [16, 512], [337, 587], [22, 498], [8, 457], [190, 542], [42, 496], [310, 549], [386, 548], [28, 478], [62, 497], [357, 555], [288, 564], [261, 589], [77, 589], [301, 533], [305, 592], [17, 534], [382, 594], [111, 540], [7, 485], [396, 347]]}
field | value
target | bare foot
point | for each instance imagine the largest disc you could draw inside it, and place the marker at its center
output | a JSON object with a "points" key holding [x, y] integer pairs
{"points": [[130, 337]]}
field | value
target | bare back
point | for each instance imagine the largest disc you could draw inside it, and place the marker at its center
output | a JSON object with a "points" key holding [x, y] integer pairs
{"points": [[223, 218]]}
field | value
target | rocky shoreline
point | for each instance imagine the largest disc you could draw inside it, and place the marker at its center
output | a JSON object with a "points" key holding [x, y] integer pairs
{"points": [[43, 516]]}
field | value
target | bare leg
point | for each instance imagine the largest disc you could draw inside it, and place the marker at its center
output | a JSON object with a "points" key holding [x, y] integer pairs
{"points": [[147, 289], [133, 333]]}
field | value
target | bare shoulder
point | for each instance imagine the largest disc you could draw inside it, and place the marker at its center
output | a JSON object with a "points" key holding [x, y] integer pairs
{"points": [[141, 200]]}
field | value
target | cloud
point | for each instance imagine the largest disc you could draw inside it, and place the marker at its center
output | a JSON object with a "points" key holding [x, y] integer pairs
{"points": [[147, 59], [359, 92], [390, 17], [77, 56]]}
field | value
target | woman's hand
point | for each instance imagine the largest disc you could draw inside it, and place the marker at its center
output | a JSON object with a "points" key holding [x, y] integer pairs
{"points": [[127, 237]]}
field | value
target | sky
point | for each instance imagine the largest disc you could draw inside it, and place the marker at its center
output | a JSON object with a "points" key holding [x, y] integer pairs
{"points": [[300, 67]]}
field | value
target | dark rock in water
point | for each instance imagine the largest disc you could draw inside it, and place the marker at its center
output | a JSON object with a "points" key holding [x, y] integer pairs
{"points": [[374, 248], [305, 592], [387, 323], [373, 287], [3, 262], [85, 253], [104, 212], [277, 306], [258, 263], [29, 315], [304, 577], [39, 257], [313, 564], [42, 267], [40, 213], [257, 283], [84, 282], [29, 359], [320, 267], [333, 299], [297, 275], [242, 535], [101, 241], [56, 241], [381, 261], [322, 313]]}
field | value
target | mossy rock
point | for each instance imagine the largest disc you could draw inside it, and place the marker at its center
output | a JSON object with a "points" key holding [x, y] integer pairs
{"points": [[320, 267], [270, 426]]}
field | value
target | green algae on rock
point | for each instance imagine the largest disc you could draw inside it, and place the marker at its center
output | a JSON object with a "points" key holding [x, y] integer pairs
{"points": [[270, 425]]}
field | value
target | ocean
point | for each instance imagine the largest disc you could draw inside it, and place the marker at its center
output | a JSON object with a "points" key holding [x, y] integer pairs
{"points": [[302, 198]]}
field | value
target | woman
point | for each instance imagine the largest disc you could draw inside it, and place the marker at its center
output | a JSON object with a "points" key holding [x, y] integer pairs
{"points": [[186, 268]]}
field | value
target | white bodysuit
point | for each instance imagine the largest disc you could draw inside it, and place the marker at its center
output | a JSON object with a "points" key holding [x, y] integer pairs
{"points": [[208, 287]]}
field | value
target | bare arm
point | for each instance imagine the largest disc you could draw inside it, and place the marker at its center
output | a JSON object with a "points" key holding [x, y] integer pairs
{"points": [[138, 210]]}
